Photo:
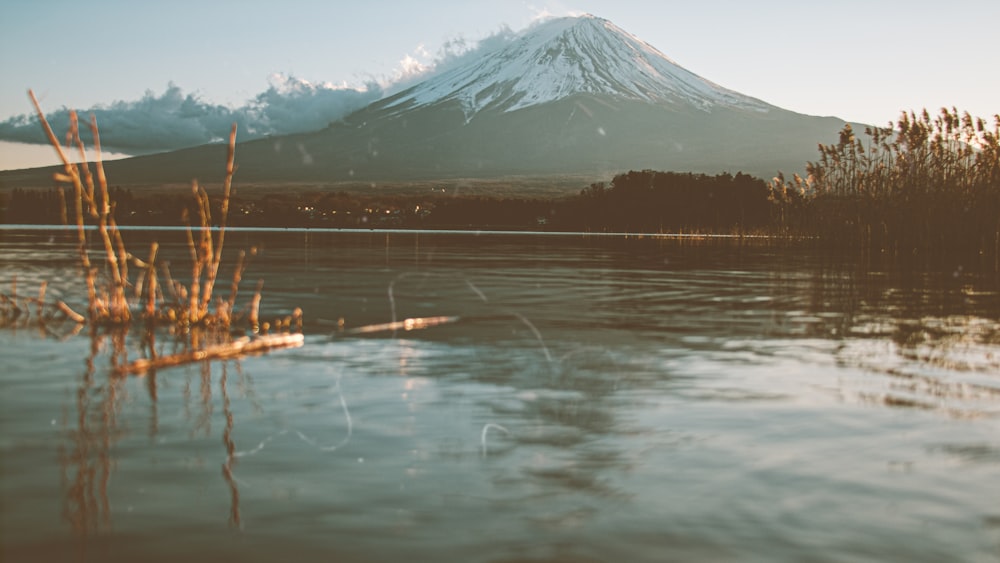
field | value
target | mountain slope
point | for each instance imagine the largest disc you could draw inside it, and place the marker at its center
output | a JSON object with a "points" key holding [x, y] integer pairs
{"points": [[571, 96]]}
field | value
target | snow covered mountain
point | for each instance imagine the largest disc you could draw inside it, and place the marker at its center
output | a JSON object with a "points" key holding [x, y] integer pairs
{"points": [[569, 97], [565, 56]]}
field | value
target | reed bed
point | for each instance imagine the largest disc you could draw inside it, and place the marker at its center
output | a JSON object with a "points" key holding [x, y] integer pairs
{"points": [[926, 185], [124, 290]]}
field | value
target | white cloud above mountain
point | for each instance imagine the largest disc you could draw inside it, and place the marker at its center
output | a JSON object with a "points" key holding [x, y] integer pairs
{"points": [[174, 118]]}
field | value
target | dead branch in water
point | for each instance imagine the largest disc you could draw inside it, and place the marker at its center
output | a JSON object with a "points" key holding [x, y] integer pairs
{"points": [[417, 323], [235, 349]]}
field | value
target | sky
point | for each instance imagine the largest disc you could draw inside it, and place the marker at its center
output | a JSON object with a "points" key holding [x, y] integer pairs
{"points": [[165, 74]]}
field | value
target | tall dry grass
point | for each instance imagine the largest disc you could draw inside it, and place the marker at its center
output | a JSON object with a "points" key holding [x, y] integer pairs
{"points": [[925, 185], [951, 153], [118, 297]]}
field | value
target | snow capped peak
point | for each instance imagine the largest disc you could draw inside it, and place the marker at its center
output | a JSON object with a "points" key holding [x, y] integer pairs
{"points": [[560, 57]]}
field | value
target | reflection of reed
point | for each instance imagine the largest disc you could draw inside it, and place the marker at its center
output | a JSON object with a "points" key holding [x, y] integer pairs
{"points": [[87, 464], [933, 337], [947, 364], [154, 417], [205, 417], [87, 459], [149, 344], [48, 317], [227, 466]]}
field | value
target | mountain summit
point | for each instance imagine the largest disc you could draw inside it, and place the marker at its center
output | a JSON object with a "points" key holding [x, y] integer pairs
{"points": [[561, 57], [569, 97]]}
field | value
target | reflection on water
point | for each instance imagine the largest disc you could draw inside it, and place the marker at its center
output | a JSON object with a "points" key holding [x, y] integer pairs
{"points": [[227, 439], [93, 430], [593, 399], [87, 459], [948, 364]]}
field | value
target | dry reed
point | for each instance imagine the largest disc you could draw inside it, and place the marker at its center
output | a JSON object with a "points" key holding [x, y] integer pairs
{"points": [[186, 310], [928, 185]]}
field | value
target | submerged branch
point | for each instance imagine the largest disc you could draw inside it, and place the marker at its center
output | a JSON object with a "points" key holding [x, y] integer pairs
{"points": [[235, 349]]}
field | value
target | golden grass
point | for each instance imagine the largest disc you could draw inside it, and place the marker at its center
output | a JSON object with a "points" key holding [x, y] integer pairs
{"points": [[930, 185], [116, 301]]}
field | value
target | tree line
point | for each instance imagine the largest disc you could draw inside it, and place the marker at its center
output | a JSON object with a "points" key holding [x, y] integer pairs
{"points": [[925, 184], [636, 201]]}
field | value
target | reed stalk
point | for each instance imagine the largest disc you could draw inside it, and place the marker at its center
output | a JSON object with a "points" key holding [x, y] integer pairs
{"points": [[189, 312]]}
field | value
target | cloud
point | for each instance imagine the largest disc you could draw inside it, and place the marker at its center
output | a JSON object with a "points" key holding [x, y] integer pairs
{"points": [[410, 68], [292, 105], [174, 119], [540, 14], [455, 52], [154, 122]]}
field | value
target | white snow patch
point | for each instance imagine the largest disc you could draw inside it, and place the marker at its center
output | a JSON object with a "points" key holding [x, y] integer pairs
{"points": [[566, 56]]}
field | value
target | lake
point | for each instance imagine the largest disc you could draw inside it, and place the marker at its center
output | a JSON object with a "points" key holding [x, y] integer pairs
{"points": [[591, 398]]}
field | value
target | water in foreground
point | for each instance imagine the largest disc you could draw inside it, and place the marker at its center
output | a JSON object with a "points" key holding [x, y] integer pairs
{"points": [[597, 399]]}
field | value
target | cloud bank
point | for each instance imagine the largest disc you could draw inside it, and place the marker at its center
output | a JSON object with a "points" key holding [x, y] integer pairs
{"points": [[174, 119]]}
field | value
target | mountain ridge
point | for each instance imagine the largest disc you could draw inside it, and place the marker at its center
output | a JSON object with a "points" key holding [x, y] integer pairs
{"points": [[570, 96]]}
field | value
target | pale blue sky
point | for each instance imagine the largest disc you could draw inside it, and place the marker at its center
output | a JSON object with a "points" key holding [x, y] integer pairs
{"points": [[858, 60]]}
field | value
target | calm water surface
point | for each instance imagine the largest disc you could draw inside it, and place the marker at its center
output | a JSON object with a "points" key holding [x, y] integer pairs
{"points": [[598, 399]]}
